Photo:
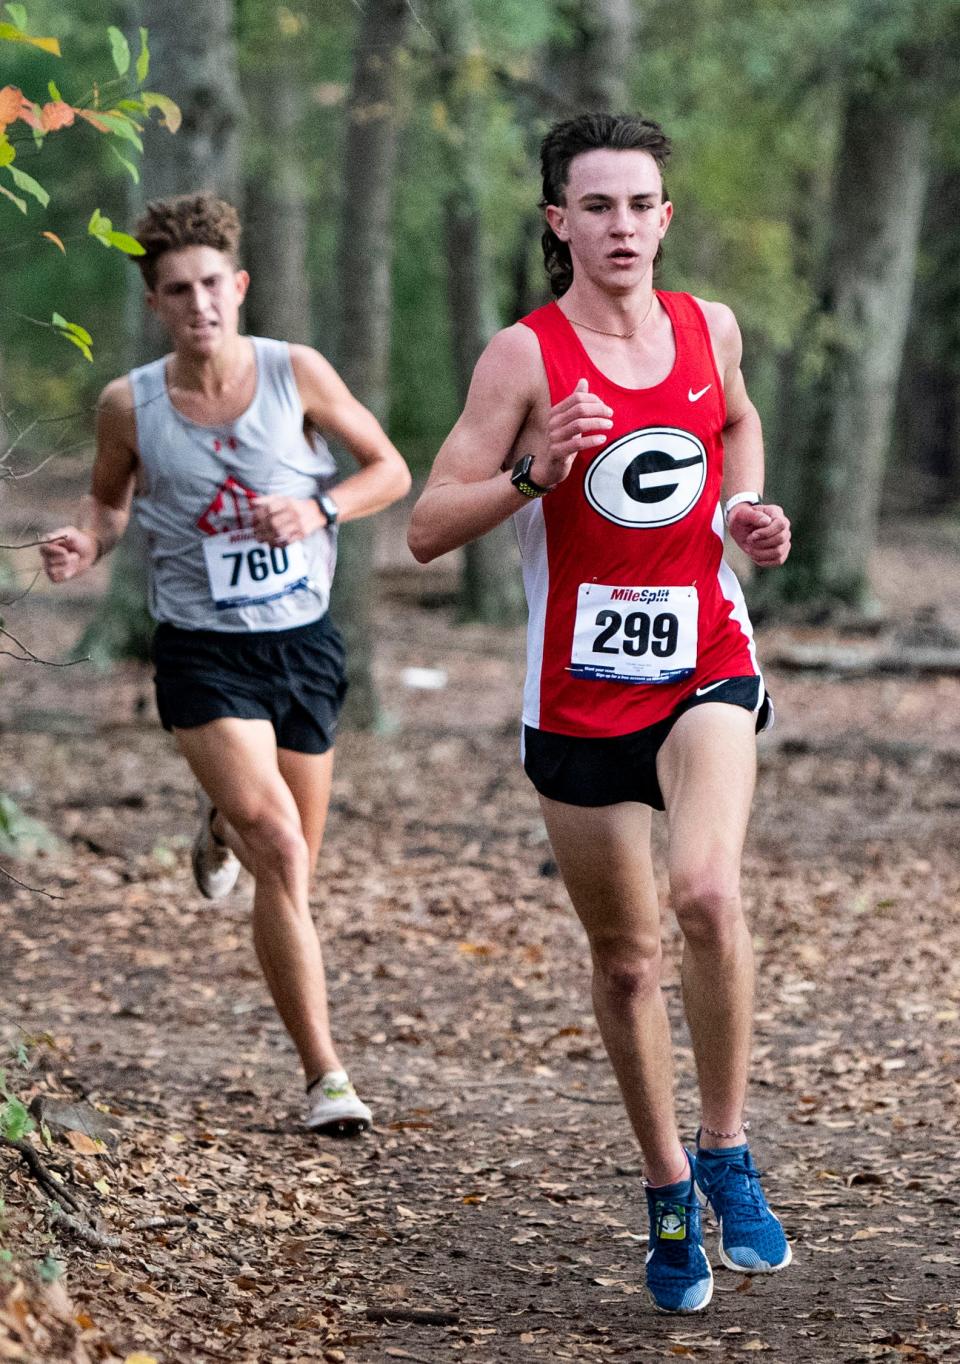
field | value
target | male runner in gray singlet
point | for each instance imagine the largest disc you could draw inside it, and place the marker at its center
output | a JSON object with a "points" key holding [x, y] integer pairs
{"points": [[217, 448]]}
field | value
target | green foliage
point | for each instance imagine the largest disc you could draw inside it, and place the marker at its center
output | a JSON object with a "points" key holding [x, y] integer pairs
{"points": [[15, 1121], [19, 834], [116, 109]]}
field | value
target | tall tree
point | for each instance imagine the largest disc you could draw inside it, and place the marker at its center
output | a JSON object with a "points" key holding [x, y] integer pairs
{"points": [[490, 588], [273, 45], [842, 431], [366, 245]]}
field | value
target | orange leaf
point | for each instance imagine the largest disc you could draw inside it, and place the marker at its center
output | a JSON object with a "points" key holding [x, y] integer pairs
{"points": [[11, 102], [52, 237], [56, 114], [84, 1145], [92, 119]]}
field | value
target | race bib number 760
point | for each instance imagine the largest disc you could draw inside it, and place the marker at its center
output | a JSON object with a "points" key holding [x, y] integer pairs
{"points": [[244, 572], [635, 634]]}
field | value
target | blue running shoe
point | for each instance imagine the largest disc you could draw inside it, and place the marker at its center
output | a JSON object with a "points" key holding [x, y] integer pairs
{"points": [[751, 1238], [679, 1276]]}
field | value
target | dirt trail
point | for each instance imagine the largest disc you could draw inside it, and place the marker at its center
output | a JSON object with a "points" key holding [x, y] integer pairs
{"points": [[501, 1190]]}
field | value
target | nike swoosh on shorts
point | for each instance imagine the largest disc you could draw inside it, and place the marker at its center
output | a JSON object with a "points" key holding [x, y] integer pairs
{"points": [[702, 691], [694, 397]]}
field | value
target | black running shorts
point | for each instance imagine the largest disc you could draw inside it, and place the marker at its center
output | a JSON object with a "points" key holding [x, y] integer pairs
{"points": [[296, 679], [607, 771]]}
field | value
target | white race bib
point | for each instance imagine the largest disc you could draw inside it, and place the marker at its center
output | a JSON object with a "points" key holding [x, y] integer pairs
{"points": [[244, 572], [635, 634]]}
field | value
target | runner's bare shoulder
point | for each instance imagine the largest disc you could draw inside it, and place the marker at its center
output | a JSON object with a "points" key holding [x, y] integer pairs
{"points": [[117, 423], [724, 333]]}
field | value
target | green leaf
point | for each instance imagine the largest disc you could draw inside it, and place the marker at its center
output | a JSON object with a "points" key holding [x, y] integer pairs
{"points": [[74, 328], [23, 1056], [172, 117], [121, 126], [15, 1121], [143, 61], [50, 1269], [97, 225], [27, 183], [54, 92], [127, 165], [11, 34], [75, 334], [124, 242], [119, 50], [7, 150], [18, 14], [14, 198]]}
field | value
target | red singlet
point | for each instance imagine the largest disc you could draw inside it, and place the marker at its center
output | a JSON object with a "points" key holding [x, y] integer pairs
{"points": [[632, 607]]}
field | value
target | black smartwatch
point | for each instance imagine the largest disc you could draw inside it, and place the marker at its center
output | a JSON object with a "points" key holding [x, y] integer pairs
{"points": [[329, 508], [521, 480]]}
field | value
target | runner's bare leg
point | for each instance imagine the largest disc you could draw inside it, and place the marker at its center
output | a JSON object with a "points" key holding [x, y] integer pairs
{"points": [[604, 858], [238, 765], [707, 771]]}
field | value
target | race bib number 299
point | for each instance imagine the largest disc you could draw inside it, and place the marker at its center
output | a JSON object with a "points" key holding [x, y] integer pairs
{"points": [[635, 634], [244, 572]]}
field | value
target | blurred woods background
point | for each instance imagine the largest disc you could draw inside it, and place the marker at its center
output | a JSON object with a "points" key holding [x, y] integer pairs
{"points": [[384, 156]]}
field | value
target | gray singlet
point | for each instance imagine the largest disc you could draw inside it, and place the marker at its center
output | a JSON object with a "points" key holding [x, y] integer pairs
{"points": [[194, 498]]}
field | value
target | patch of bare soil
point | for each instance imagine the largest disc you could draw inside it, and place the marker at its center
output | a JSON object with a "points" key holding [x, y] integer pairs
{"points": [[496, 1212]]}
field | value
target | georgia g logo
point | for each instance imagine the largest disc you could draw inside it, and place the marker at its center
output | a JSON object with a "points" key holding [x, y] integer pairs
{"points": [[648, 478]]}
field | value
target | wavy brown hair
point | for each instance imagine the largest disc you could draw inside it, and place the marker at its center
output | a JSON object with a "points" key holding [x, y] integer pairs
{"points": [[587, 133], [187, 220]]}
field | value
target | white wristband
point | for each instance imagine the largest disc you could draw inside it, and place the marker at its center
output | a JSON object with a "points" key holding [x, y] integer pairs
{"points": [[754, 500]]}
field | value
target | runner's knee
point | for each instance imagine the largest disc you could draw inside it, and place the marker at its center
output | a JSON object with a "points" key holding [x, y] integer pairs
{"points": [[277, 844], [707, 907], [627, 970]]}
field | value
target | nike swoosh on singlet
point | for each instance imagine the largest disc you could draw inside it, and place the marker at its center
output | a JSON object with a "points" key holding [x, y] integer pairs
{"points": [[702, 691], [695, 396]]}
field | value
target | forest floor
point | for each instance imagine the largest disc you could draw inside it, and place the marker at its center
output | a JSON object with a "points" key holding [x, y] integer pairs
{"points": [[496, 1211]]}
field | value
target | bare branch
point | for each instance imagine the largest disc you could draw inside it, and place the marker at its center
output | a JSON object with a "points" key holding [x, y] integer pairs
{"points": [[34, 890], [12, 601], [27, 657]]}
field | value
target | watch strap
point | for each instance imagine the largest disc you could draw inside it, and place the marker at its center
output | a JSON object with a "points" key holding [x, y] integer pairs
{"points": [[521, 480], [738, 499], [329, 508]]}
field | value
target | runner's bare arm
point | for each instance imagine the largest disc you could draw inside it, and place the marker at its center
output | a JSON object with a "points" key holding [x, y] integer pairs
{"points": [[70, 550], [469, 489], [383, 477], [763, 531]]}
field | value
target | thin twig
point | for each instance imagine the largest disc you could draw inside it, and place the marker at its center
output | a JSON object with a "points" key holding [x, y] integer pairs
{"points": [[34, 890], [98, 1239], [12, 601], [418, 1315], [28, 657], [159, 1223]]}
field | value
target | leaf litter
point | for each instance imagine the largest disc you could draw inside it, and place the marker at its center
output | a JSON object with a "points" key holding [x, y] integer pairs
{"points": [[495, 1213]]}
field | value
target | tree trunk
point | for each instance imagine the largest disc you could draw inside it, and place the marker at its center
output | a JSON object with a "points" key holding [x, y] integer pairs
{"points": [[193, 60], [845, 431], [490, 586], [275, 199], [925, 472], [364, 270]]}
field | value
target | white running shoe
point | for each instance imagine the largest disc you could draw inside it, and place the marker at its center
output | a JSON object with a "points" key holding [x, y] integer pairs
{"points": [[333, 1107], [215, 866]]}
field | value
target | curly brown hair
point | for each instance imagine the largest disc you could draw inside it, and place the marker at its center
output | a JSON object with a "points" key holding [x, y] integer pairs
{"points": [[585, 133], [187, 220]]}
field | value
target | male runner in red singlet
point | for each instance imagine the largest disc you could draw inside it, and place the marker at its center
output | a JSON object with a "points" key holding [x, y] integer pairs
{"points": [[614, 425], [218, 449]]}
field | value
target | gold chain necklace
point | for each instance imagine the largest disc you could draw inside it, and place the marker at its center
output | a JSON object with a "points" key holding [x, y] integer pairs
{"points": [[621, 336]]}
